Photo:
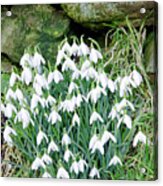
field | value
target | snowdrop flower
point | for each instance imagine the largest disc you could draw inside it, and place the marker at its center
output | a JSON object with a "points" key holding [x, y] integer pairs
{"points": [[50, 100], [124, 86], [94, 172], [139, 137], [6, 134], [75, 120], [52, 147], [67, 48], [62, 173], [47, 159], [98, 146], [107, 136], [66, 140], [113, 113], [26, 60], [95, 117], [37, 163], [123, 104], [136, 78], [67, 105], [26, 76], [114, 161], [13, 79], [72, 86], [89, 73], [10, 95], [68, 65], [37, 60], [85, 65], [84, 50], [46, 175], [103, 80], [60, 56], [76, 74], [54, 117], [74, 167], [95, 94], [67, 155], [95, 55], [74, 49], [127, 120], [19, 95], [9, 110], [40, 136], [82, 164], [55, 76], [35, 100], [24, 117], [41, 81], [93, 141], [78, 100], [111, 85]]}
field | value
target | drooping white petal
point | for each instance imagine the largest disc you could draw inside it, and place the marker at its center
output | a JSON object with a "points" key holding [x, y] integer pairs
{"points": [[10, 95], [66, 140], [98, 146], [26, 60], [139, 137], [26, 76], [46, 175], [6, 134], [94, 173], [82, 164], [85, 65], [47, 159], [9, 110], [69, 65], [84, 49], [95, 117], [114, 161], [67, 155], [136, 78], [62, 173], [37, 60], [54, 117], [60, 56], [50, 100], [95, 55], [52, 147], [40, 136], [74, 168], [93, 141], [75, 120], [37, 163], [107, 136], [14, 77], [73, 86], [57, 76], [111, 85]]}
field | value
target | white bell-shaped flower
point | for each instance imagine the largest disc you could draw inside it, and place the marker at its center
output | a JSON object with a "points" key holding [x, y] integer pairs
{"points": [[69, 65], [94, 173], [84, 49], [35, 100], [114, 161], [125, 119], [50, 100], [14, 77], [136, 78], [55, 76], [26, 76], [60, 56], [90, 73], [74, 49], [67, 48], [9, 109], [37, 163], [66, 140], [93, 141], [78, 100], [40, 136], [6, 134], [10, 95], [19, 96], [95, 94], [85, 65], [67, 105], [47, 159], [98, 146], [103, 80], [82, 164], [37, 60], [26, 60], [111, 85], [75, 120], [52, 147], [46, 175], [24, 117], [124, 86], [113, 113], [74, 168], [76, 74], [107, 136], [73, 86], [54, 117], [124, 103], [95, 117], [95, 55], [139, 137], [67, 155], [62, 173]]}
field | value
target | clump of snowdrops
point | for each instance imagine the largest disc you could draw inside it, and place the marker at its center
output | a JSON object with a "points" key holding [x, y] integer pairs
{"points": [[71, 119]]}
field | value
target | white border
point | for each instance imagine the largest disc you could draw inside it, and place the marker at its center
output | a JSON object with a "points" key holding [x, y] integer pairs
{"points": [[42, 182]]}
